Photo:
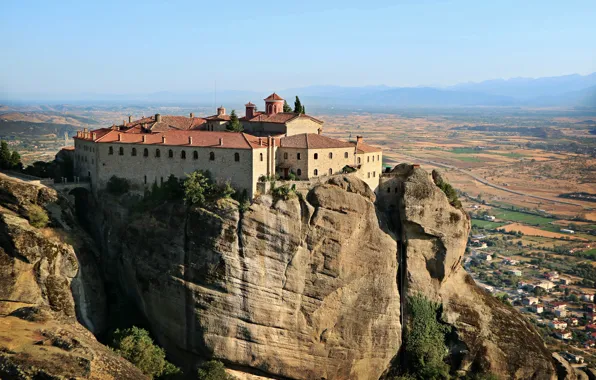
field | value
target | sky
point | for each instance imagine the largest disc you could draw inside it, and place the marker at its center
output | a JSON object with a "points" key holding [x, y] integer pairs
{"points": [[124, 47]]}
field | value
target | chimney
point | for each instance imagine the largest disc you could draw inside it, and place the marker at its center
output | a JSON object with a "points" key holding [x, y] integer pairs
{"points": [[124, 123], [119, 136], [143, 139], [358, 139], [221, 111], [220, 141], [273, 141], [130, 118], [157, 118], [189, 140], [250, 110], [163, 139], [192, 115], [85, 130], [94, 135]]}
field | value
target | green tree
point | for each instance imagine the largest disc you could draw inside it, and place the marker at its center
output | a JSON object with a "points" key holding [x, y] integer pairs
{"points": [[287, 107], [303, 110], [136, 346], [298, 108], [197, 188], [15, 160], [234, 124], [4, 155], [213, 370]]}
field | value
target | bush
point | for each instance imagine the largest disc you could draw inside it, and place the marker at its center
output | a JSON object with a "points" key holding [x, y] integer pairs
{"points": [[199, 189], [425, 347], [136, 346], [283, 192], [38, 217], [213, 370], [117, 185], [348, 169], [447, 189]]}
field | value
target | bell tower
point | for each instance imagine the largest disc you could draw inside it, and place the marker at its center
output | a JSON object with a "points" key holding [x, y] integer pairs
{"points": [[273, 104]]}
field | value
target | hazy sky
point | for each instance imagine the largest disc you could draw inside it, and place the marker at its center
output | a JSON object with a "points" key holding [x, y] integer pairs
{"points": [[123, 47]]}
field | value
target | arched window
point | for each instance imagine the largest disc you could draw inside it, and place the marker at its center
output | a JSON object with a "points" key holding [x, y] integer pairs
{"points": [[316, 156], [236, 156], [195, 155], [286, 156], [111, 150], [330, 155], [388, 189], [183, 155], [359, 160], [316, 172], [373, 158], [146, 152], [261, 156], [346, 155], [298, 155], [374, 174], [134, 152], [299, 172], [330, 171], [212, 156], [157, 153], [368, 174], [368, 159], [121, 151], [378, 159], [171, 153]]}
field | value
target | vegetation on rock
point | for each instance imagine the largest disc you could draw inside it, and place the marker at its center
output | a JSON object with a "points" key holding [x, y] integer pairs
{"points": [[199, 189], [447, 189], [37, 216], [8, 159], [213, 370], [136, 346], [117, 185]]}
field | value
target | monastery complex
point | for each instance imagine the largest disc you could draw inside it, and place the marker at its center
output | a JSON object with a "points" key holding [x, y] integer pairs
{"points": [[274, 143]]}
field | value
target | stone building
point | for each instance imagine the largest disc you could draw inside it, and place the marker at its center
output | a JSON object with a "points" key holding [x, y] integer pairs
{"points": [[149, 150]]}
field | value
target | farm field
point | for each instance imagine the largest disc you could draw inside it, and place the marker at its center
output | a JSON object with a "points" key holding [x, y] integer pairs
{"points": [[527, 230]]}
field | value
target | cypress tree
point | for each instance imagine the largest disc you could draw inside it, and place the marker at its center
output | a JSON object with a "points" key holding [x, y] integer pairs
{"points": [[4, 155], [234, 124], [298, 106], [287, 107], [15, 160], [303, 110]]}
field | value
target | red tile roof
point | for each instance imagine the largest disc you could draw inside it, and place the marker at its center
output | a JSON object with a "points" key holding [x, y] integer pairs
{"points": [[167, 123], [273, 96], [182, 138], [313, 141], [365, 148], [218, 117], [280, 118], [249, 104]]}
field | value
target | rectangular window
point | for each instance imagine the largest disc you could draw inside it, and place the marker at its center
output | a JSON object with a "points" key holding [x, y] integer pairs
{"points": [[368, 174], [298, 156]]}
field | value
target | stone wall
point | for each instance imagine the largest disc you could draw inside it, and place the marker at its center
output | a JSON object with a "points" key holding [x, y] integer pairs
{"points": [[302, 125]]}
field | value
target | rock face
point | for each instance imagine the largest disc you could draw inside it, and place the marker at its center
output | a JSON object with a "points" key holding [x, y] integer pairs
{"points": [[303, 288], [39, 334], [495, 337]]}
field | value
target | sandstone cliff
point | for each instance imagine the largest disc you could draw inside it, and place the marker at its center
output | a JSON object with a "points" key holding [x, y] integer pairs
{"points": [[39, 333]]}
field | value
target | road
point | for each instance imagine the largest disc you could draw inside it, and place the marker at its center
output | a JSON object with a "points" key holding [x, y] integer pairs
{"points": [[487, 183]]}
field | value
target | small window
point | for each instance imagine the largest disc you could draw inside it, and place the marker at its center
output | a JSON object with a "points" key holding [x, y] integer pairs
{"points": [[145, 180], [359, 160], [330, 171], [261, 156], [316, 172], [299, 172], [330, 155], [395, 189], [183, 155], [121, 151], [298, 156], [171, 153], [368, 174], [346, 155], [236, 157], [373, 158], [388, 189], [316, 156], [368, 159], [286, 156], [195, 155], [134, 152], [212, 156], [111, 150], [157, 153], [146, 152], [378, 159], [374, 174]]}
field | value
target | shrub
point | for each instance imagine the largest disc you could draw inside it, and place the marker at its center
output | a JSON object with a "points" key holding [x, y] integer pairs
{"points": [[38, 217], [136, 346], [283, 192], [213, 370], [197, 187], [348, 169], [425, 347], [447, 189], [118, 186]]}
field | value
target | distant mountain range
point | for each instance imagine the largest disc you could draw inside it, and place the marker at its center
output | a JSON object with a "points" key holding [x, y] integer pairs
{"points": [[562, 91]]}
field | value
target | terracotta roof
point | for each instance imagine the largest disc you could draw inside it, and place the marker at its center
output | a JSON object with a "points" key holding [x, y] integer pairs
{"points": [[249, 104], [365, 148], [219, 117], [181, 138], [281, 118], [68, 148], [273, 96], [167, 123], [313, 141]]}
